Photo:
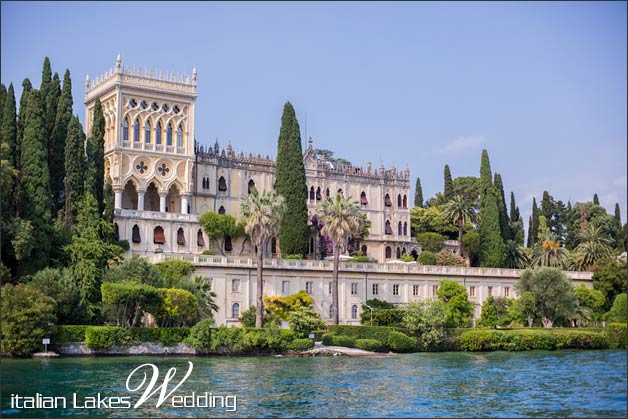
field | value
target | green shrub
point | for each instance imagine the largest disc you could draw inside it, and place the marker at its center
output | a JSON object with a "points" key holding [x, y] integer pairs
{"points": [[345, 341], [362, 259], [300, 345], [69, 334], [399, 342], [381, 317], [27, 317], [369, 345], [255, 340], [379, 333], [124, 244], [208, 252], [407, 258], [426, 258], [481, 340], [227, 339], [200, 336], [430, 242], [616, 335], [305, 320], [618, 312], [530, 339], [327, 339], [294, 256]]}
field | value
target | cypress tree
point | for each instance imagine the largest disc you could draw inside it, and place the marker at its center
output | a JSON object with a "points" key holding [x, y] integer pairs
{"points": [[35, 185], [290, 183], [547, 207], [448, 191], [491, 242], [55, 148], [513, 208], [504, 226], [533, 229], [27, 87], [60, 133], [617, 214], [74, 156], [3, 97], [9, 126], [97, 158], [596, 200], [9, 137], [418, 194], [516, 222], [618, 232]]}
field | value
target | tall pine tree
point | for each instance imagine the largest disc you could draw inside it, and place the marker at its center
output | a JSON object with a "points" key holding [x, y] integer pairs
{"points": [[27, 87], [491, 243], [533, 229], [596, 200], [8, 129], [74, 157], [290, 183], [59, 134], [504, 226], [35, 184], [448, 190], [95, 182], [55, 148], [418, 194]]}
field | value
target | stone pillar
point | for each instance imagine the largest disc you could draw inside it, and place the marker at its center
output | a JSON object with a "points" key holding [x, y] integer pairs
{"points": [[162, 201], [117, 193], [184, 204], [140, 200]]}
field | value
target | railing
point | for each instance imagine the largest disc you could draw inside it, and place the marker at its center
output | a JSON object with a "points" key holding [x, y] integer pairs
{"points": [[155, 215], [324, 265]]}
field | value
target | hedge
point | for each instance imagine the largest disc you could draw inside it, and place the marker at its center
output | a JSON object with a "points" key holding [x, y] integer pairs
{"points": [[616, 335], [379, 333], [370, 345], [68, 333], [103, 337], [528, 339], [300, 345]]}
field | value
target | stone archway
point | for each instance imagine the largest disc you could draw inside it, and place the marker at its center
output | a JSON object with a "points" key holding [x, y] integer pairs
{"points": [[151, 199], [173, 200], [129, 196]]}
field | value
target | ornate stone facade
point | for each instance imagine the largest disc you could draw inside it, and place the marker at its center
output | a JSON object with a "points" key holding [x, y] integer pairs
{"points": [[162, 180]]}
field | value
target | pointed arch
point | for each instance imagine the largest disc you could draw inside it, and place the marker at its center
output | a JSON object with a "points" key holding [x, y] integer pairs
{"points": [[147, 131], [169, 134], [388, 228], [400, 228], [251, 186], [363, 199], [388, 252], [221, 210], [405, 201], [222, 184], [405, 228], [180, 135], [387, 201], [158, 133], [399, 203], [136, 130], [125, 129]]}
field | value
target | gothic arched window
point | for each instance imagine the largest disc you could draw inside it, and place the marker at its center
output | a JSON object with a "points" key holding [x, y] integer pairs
{"points": [[147, 132], [158, 134], [169, 135], [125, 130], [388, 252], [180, 136], [136, 130]]}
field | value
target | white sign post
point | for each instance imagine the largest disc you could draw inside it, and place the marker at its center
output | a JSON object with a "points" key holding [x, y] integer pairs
{"points": [[46, 341]]}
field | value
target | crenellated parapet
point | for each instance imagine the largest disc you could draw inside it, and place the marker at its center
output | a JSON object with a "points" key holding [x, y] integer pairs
{"points": [[229, 158]]}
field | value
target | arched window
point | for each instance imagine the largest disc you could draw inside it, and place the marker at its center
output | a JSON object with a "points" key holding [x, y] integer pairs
{"points": [[222, 184], [136, 234], [398, 253], [180, 136], [387, 201], [340, 192], [388, 252], [403, 251], [363, 199], [399, 201], [364, 249], [318, 193], [327, 193], [235, 310], [312, 196], [228, 245], [221, 210], [354, 311], [388, 228], [331, 311], [273, 246], [251, 186], [158, 235], [147, 132], [405, 229], [180, 237], [169, 135], [158, 134], [200, 241], [400, 228], [405, 201], [125, 130], [311, 249], [136, 130]]}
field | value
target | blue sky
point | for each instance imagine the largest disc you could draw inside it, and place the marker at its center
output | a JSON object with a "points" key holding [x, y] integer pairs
{"points": [[541, 86]]}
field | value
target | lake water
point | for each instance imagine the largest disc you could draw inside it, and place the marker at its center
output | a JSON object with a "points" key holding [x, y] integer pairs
{"points": [[499, 384]]}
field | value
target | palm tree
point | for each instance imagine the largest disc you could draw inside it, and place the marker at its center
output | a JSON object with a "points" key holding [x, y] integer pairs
{"points": [[342, 221], [550, 253], [261, 214], [459, 210], [515, 256]]}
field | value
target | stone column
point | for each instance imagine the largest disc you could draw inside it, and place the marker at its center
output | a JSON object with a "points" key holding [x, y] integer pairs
{"points": [[162, 201], [117, 192], [140, 200], [184, 204]]}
